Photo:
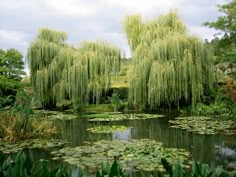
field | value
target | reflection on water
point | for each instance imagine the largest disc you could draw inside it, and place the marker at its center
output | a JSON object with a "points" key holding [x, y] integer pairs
{"points": [[211, 149], [126, 135]]}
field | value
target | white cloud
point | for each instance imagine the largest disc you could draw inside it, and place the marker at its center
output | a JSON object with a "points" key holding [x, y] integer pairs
{"points": [[202, 32], [119, 40], [140, 6], [94, 19], [13, 36], [72, 7]]}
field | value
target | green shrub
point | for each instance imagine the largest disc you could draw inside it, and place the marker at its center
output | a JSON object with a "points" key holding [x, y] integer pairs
{"points": [[222, 109]]}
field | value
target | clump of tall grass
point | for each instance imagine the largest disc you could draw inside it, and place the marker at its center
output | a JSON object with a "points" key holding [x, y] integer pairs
{"points": [[15, 127], [19, 121]]}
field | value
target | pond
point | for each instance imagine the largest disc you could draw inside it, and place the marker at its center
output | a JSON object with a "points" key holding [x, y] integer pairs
{"points": [[211, 149]]}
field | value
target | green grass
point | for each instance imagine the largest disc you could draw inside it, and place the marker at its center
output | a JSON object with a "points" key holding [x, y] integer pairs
{"points": [[98, 108], [97, 116]]}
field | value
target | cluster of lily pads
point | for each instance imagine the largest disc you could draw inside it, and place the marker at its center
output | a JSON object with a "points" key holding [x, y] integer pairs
{"points": [[62, 117], [7, 147], [108, 129], [144, 155], [55, 115], [121, 117], [46, 112], [204, 125]]}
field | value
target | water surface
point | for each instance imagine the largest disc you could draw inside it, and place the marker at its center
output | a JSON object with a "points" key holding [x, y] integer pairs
{"points": [[211, 149]]}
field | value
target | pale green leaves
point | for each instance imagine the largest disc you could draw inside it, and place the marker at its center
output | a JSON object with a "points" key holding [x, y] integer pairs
{"points": [[204, 125], [60, 71], [169, 65]]}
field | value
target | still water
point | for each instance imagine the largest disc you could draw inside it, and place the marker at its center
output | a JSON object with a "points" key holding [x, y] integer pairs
{"points": [[211, 149]]}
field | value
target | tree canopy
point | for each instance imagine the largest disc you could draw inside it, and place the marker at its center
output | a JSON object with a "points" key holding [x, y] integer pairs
{"points": [[168, 64], [60, 71], [11, 64], [225, 41], [11, 72]]}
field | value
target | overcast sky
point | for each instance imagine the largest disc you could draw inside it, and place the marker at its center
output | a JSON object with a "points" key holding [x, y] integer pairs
{"points": [[94, 19]]}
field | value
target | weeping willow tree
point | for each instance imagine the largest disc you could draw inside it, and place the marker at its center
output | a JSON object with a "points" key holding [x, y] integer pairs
{"points": [[60, 71], [169, 65]]}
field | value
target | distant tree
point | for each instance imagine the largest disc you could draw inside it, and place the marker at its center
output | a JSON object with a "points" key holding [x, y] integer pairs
{"points": [[11, 72], [11, 64], [225, 41]]}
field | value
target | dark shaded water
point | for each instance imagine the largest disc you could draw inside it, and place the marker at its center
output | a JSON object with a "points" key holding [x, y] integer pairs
{"points": [[211, 149]]}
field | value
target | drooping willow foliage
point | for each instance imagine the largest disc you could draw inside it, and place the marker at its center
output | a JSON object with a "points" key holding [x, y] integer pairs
{"points": [[169, 65], [60, 71]]}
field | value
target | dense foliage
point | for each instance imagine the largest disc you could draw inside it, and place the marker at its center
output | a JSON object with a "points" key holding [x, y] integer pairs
{"points": [[225, 41], [11, 72], [11, 64], [60, 71], [24, 166], [169, 66]]}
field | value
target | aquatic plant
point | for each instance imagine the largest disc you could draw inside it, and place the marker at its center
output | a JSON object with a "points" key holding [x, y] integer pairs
{"points": [[204, 125], [120, 117], [14, 147], [23, 166], [113, 170], [169, 65], [60, 71], [198, 169], [107, 129], [61, 116], [144, 155]]}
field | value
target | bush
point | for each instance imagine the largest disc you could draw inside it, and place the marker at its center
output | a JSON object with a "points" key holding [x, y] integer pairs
{"points": [[216, 109]]}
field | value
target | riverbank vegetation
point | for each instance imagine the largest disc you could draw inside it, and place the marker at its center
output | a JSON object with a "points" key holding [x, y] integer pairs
{"points": [[23, 166], [19, 122]]}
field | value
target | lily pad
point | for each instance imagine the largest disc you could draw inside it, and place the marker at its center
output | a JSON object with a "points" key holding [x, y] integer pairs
{"points": [[144, 155], [204, 125], [62, 117], [46, 112], [121, 117], [108, 129], [55, 115], [7, 147]]}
